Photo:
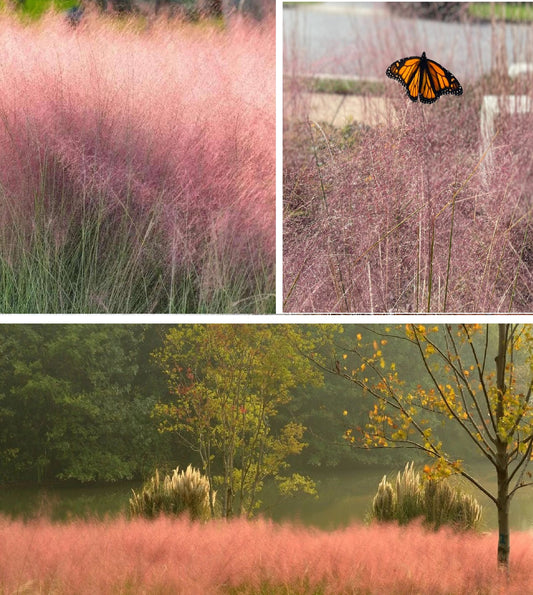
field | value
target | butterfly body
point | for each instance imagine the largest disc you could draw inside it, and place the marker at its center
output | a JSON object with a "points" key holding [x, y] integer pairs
{"points": [[423, 78]]}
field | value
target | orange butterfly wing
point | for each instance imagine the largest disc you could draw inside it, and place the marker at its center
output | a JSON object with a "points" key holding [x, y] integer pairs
{"points": [[407, 72], [424, 79]]}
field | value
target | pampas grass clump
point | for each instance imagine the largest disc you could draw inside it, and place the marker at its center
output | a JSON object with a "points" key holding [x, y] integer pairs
{"points": [[434, 501], [183, 492]]}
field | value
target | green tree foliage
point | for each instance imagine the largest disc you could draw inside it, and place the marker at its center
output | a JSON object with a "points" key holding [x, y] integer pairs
{"points": [[327, 411], [477, 380], [68, 405], [227, 384]]}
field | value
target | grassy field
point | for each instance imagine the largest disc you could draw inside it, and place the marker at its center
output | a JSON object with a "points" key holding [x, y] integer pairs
{"points": [[136, 166], [510, 11], [427, 209], [175, 556]]}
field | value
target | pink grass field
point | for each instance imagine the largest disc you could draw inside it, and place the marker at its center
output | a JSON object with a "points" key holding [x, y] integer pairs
{"points": [[405, 209], [159, 116], [175, 556]]}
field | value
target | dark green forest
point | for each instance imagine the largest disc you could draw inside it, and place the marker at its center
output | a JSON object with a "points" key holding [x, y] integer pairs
{"points": [[77, 404]]}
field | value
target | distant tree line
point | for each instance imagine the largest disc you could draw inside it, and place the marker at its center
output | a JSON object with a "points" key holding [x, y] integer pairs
{"points": [[191, 9], [75, 403], [79, 402]]}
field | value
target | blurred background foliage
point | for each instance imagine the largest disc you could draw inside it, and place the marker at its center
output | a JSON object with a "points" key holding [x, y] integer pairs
{"points": [[77, 405], [191, 10]]}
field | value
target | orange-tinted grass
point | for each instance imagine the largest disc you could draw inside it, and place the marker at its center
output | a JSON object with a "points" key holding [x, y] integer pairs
{"points": [[176, 556]]}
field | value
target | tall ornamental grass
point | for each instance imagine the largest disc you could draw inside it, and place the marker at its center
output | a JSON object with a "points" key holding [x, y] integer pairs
{"points": [[137, 166], [183, 492], [176, 556], [410, 207], [434, 501]]}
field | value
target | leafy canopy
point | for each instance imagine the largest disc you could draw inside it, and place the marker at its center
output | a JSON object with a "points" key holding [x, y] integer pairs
{"points": [[460, 383]]}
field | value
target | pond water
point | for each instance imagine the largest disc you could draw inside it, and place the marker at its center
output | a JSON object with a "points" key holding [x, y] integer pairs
{"points": [[343, 498], [60, 502]]}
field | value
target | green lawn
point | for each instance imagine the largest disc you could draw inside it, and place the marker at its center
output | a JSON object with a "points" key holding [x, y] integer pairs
{"points": [[512, 11], [35, 8]]}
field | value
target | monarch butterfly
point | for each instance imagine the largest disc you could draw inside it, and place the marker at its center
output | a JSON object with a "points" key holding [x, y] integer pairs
{"points": [[423, 78]]}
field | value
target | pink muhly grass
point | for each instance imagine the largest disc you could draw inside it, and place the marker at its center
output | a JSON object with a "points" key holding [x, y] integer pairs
{"points": [[408, 214], [174, 120], [245, 556]]}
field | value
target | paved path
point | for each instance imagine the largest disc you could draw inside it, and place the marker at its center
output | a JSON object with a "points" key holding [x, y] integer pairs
{"points": [[339, 110], [329, 37]]}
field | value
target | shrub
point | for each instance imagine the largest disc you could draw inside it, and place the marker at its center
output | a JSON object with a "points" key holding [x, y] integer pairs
{"points": [[439, 11], [186, 491], [436, 501]]}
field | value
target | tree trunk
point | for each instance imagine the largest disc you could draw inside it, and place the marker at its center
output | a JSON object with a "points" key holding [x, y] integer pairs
{"points": [[227, 485], [502, 457], [504, 545], [205, 455], [229, 502]]}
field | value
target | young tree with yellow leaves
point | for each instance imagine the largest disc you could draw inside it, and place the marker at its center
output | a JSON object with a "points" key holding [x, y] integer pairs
{"points": [[478, 378], [227, 383]]}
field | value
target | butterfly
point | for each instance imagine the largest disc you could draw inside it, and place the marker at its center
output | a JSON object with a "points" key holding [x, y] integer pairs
{"points": [[423, 78]]}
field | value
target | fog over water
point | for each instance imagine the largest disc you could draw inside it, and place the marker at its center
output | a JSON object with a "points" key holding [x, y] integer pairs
{"points": [[345, 497]]}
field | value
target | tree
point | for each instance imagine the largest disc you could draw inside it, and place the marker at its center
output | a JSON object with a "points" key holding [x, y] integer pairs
{"points": [[71, 404], [227, 383], [478, 379]]}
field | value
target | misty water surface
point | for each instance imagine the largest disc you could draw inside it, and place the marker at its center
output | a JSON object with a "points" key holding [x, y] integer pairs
{"points": [[344, 497]]}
